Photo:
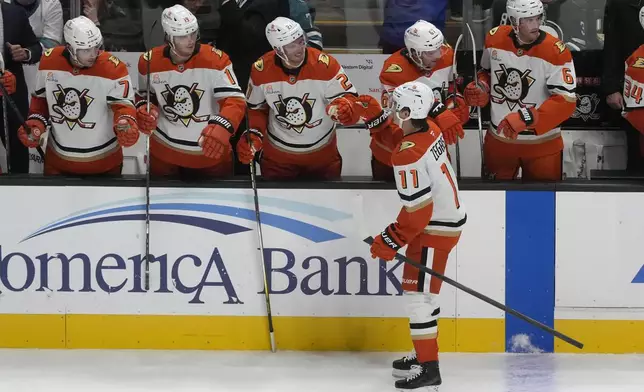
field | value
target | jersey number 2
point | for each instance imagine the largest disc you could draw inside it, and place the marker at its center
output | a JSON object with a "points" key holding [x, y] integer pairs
{"points": [[344, 81], [445, 171]]}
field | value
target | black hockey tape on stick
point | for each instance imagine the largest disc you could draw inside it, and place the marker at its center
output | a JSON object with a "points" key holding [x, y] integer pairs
{"points": [[19, 116], [484, 298]]}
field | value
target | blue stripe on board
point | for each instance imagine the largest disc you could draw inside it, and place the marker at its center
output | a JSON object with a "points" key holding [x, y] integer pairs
{"points": [[529, 268]]}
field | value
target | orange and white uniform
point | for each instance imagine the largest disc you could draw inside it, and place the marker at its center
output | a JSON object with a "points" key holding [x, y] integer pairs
{"points": [[289, 108], [539, 76], [633, 85], [81, 106], [190, 95]]}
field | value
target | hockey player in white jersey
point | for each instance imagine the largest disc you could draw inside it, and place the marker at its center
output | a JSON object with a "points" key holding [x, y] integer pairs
{"points": [[84, 96], [296, 95], [196, 102], [429, 223]]}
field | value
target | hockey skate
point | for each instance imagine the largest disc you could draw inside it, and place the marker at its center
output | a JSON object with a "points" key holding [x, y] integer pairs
{"points": [[422, 377], [403, 365]]}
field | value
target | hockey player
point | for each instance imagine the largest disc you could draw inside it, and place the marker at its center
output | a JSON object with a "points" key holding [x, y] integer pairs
{"points": [[429, 223], [428, 60], [189, 82], [529, 77], [83, 95], [288, 121], [633, 84]]}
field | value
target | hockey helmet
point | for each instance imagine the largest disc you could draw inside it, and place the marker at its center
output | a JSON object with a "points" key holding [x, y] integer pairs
{"points": [[81, 33], [284, 31], [421, 37], [177, 21], [642, 16], [517, 9], [413, 97]]}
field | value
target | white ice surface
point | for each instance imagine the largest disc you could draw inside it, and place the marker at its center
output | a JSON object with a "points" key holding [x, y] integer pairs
{"points": [[192, 371]]}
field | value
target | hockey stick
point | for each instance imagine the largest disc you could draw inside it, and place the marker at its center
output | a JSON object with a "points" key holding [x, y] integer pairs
{"points": [[6, 98], [260, 238], [484, 298], [478, 108], [454, 77], [147, 173]]}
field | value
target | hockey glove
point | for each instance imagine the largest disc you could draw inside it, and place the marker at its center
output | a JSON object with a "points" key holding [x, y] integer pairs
{"points": [[457, 105], [147, 120], [8, 80], [477, 95], [386, 245], [31, 137], [126, 130], [215, 141], [517, 122], [449, 124], [341, 110], [370, 111], [250, 143]]}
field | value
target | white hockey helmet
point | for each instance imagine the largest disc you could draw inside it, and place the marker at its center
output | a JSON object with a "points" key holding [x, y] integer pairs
{"points": [[283, 31], [177, 21], [517, 9], [81, 33], [421, 37], [415, 97], [642, 16]]}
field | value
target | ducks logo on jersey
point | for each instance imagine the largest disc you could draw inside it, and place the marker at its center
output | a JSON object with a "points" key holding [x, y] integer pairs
{"points": [[513, 87], [182, 103], [295, 113], [71, 105], [586, 107]]}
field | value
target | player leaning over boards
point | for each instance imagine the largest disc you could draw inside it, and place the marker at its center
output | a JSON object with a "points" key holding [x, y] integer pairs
{"points": [[296, 95], [85, 95], [529, 77], [427, 59], [196, 102], [429, 223], [633, 84]]}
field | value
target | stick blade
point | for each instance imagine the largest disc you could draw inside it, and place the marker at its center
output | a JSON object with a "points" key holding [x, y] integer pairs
{"points": [[369, 240]]}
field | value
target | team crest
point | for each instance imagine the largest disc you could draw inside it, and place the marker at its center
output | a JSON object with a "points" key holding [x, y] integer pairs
{"points": [[513, 87], [295, 113], [324, 59], [586, 107], [394, 68], [639, 63], [182, 103], [71, 107]]}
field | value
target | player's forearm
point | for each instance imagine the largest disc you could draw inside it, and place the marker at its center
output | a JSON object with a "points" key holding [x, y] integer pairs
{"points": [[554, 111], [636, 118], [233, 109], [411, 222], [39, 106], [258, 119], [123, 109]]}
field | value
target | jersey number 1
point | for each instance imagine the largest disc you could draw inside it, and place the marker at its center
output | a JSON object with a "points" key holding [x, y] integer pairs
{"points": [[445, 171]]}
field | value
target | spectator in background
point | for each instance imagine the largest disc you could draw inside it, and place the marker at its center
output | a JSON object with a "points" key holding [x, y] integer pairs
{"points": [[207, 16], [400, 14], [120, 22], [19, 46], [623, 34]]}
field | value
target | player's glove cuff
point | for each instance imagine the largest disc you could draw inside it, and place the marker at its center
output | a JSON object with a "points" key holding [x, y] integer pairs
{"points": [[379, 120], [437, 109], [390, 238], [219, 120], [255, 132], [527, 116], [39, 117]]}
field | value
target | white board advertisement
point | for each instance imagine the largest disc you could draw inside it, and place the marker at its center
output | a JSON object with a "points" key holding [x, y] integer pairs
{"points": [[81, 252]]}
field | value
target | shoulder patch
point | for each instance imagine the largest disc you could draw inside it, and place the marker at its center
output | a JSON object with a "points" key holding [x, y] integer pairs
{"points": [[218, 52], [324, 59], [114, 60], [639, 63], [394, 68], [494, 30], [259, 65], [561, 46], [147, 55], [48, 52], [406, 145]]}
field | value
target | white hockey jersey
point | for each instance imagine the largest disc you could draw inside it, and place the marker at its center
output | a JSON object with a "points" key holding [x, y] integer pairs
{"points": [[81, 104], [540, 75], [189, 95], [291, 107]]}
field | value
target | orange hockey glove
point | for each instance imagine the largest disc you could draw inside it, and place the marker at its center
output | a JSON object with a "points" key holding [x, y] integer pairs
{"points": [[215, 138], [370, 111], [147, 121], [341, 110], [250, 143], [37, 126], [457, 105], [126, 130], [449, 124], [8, 80], [517, 122], [386, 245], [477, 95]]}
